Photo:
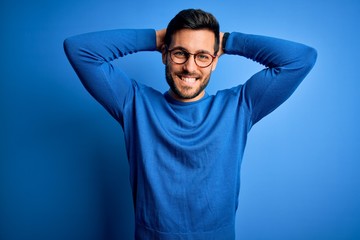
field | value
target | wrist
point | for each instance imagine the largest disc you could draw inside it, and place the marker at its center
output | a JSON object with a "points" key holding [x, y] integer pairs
{"points": [[224, 40]]}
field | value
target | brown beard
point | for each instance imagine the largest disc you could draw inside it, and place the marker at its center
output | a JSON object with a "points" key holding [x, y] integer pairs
{"points": [[177, 91]]}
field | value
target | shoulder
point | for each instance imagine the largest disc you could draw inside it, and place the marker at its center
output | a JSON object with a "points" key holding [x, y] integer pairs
{"points": [[232, 98], [145, 93], [229, 93]]}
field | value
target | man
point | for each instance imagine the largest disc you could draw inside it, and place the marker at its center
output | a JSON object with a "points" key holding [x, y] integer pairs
{"points": [[184, 146]]}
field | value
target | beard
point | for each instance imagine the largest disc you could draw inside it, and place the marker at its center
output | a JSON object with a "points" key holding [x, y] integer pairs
{"points": [[185, 93]]}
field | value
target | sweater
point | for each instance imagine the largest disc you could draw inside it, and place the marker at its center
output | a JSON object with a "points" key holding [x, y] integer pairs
{"points": [[185, 158]]}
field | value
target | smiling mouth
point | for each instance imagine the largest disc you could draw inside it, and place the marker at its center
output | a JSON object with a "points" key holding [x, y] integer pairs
{"points": [[188, 79]]}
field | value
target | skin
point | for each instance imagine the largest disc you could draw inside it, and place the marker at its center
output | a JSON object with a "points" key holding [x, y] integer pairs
{"points": [[188, 81]]}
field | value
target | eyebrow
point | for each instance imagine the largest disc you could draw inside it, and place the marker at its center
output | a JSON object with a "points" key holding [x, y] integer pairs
{"points": [[184, 49]]}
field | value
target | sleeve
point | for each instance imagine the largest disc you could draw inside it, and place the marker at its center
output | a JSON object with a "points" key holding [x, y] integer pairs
{"points": [[93, 55], [287, 64]]}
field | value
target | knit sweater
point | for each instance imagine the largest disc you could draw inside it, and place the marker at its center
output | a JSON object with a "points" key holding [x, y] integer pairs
{"points": [[185, 158]]}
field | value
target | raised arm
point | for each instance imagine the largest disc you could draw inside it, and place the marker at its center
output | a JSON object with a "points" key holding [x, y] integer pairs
{"points": [[93, 55], [287, 63]]}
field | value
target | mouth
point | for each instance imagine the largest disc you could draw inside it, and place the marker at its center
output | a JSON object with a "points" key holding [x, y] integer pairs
{"points": [[188, 79]]}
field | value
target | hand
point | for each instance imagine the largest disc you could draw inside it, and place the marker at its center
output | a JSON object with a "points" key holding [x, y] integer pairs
{"points": [[221, 51], [160, 36]]}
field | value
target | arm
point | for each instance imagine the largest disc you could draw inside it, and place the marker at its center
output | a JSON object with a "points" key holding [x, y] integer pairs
{"points": [[287, 63], [93, 56]]}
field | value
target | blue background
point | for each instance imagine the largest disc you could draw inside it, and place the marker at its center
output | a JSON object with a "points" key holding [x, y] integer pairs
{"points": [[63, 168]]}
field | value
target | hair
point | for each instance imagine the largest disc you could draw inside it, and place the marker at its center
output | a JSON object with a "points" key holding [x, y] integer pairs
{"points": [[195, 19]]}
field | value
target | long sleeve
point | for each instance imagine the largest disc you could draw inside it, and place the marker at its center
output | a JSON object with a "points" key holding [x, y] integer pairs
{"points": [[287, 63], [93, 55]]}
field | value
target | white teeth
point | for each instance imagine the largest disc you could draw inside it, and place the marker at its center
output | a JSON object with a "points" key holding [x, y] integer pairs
{"points": [[188, 80]]}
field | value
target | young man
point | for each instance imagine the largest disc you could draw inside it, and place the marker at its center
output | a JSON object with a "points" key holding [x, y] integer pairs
{"points": [[184, 146]]}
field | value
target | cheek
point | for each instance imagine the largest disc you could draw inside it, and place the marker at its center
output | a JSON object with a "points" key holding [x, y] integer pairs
{"points": [[206, 72], [173, 69]]}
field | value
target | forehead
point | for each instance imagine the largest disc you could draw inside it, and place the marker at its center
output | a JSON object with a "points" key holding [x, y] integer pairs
{"points": [[194, 40]]}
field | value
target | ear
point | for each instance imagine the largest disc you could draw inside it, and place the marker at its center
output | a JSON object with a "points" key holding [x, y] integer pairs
{"points": [[163, 54]]}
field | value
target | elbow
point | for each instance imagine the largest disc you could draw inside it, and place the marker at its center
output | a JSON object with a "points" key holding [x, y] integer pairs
{"points": [[69, 46], [310, 57], [304, 63], [66, 44], [306, 60], [73, 45], [73, 49]]}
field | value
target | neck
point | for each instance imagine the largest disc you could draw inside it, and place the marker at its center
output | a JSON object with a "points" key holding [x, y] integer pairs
{"points": [[181, 99]]}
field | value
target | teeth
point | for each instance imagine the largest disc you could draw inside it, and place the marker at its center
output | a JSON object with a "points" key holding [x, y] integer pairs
{"points": [[188, 80]]}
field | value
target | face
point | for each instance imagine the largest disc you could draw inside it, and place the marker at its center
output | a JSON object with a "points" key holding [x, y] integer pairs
{"points": [[188, 81]]}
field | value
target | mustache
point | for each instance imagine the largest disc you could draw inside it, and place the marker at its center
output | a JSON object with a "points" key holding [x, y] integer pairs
{"points": [[182, 72], [188, 74]]}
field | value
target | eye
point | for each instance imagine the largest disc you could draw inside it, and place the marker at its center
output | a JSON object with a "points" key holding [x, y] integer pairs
{"points": [[203, 57], [179, 54]]}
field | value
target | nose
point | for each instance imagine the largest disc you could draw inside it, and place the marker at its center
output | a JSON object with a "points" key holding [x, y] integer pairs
{"points": [[190, 64]]}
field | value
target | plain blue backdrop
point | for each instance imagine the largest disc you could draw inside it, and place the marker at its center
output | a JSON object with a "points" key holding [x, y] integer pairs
{"points": [[63, 168]]}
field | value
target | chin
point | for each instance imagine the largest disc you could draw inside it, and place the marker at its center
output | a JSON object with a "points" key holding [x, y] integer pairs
{"points": [[186, 93]]}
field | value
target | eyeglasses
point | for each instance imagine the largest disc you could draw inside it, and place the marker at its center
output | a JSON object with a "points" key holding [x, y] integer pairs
{"points": [[180, 56]]}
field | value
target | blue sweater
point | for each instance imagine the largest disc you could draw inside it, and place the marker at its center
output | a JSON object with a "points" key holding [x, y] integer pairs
{"points": [[185, 158]]}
